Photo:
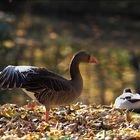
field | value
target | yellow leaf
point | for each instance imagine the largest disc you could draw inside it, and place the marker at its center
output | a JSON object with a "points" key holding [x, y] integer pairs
{"points": [[137, 135], [23, 115]]}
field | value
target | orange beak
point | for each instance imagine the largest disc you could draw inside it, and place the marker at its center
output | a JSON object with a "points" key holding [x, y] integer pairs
{"points": [[93, 60]]}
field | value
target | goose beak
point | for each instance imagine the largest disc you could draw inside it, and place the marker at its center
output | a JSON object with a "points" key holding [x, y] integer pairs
{"points": [[93, 60]]}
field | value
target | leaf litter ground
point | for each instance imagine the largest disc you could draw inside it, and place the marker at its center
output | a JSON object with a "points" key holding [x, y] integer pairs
{"points": [[74, 122]]}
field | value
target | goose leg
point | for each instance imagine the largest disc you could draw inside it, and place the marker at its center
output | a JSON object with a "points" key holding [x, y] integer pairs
{"points": [[47, 114], [32, 104]]}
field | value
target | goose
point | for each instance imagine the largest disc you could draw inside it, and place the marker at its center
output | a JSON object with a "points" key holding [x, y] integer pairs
{"points": [[48, 88]]}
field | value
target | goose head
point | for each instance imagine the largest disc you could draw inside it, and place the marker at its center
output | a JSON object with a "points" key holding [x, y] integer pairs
{"points": [[84, 57]]}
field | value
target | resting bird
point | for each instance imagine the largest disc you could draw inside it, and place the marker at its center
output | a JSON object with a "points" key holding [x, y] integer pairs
{"points": [[48, 88], [128, 100]]}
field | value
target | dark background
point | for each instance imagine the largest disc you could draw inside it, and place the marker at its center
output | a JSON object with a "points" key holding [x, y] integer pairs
{"points": [[74, 8]]}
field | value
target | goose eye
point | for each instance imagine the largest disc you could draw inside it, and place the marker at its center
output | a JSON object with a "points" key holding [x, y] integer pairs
{"points": [[128, 97]]}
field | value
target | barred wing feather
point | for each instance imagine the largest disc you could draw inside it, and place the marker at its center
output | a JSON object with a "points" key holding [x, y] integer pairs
{"points": [[13, 76]]}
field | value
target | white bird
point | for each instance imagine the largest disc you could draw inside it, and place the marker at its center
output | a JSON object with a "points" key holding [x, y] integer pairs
{"points": [[128, 100]]}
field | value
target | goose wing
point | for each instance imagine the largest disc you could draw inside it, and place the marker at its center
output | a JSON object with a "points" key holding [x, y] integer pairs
{"points": [[48, 83], [31, 78], [15, 76]]}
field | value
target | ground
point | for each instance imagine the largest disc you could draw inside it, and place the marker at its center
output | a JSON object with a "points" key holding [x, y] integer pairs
{"points": [[77, 121]]}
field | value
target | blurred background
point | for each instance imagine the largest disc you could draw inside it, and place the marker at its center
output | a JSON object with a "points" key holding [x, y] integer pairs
{"points": [[46, 33]]}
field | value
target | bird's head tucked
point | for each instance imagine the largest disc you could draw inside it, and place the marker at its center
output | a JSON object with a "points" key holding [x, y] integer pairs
{"points": [[85, 57], [127, 90]]}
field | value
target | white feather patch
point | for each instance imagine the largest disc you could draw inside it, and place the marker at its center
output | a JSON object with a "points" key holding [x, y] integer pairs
{"points": [[23, 68]]}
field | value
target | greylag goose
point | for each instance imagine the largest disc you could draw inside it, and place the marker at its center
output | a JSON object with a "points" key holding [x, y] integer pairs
{"points": [[128, 100], [48, 88]]}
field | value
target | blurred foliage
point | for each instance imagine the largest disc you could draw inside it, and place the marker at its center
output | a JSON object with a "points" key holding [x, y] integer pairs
{"points": [[50, 42]]}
